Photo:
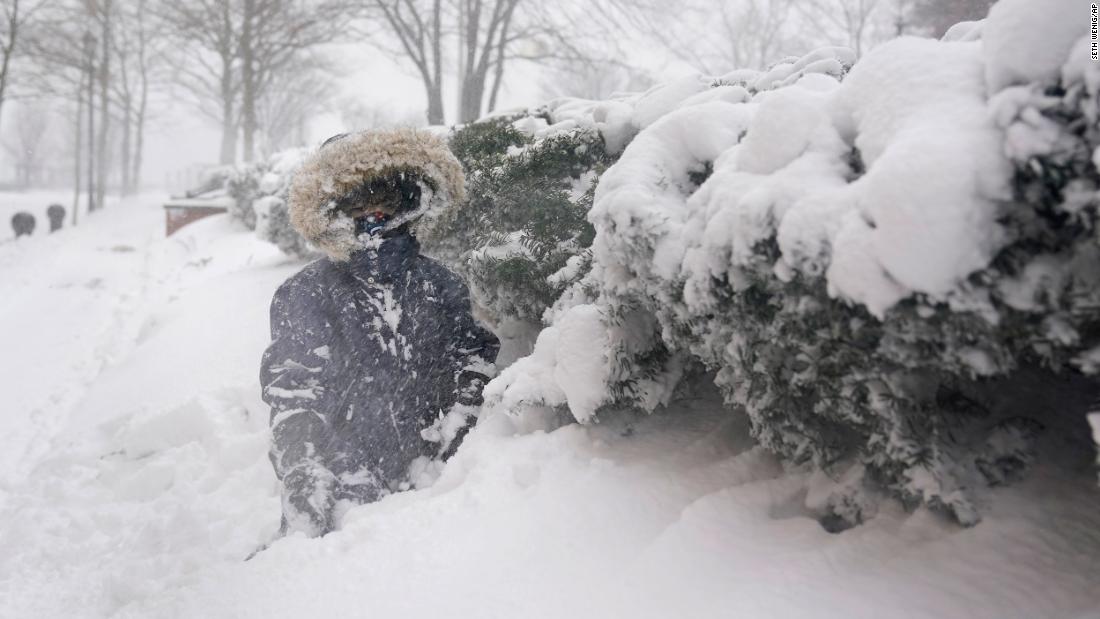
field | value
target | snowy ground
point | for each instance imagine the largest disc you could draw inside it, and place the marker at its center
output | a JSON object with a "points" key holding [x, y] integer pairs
{"points": [[134, 480]]}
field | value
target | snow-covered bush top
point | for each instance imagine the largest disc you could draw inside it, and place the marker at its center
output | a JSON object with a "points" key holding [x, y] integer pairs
{"points": [[523, 238], [853, 254], [259, 191], [529, 191]]}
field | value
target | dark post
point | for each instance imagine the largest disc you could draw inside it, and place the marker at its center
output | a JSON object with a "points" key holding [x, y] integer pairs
{"points": [[89, 65], [76, 151]]}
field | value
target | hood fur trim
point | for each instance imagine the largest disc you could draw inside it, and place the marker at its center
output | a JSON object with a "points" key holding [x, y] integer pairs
{"points": [[343, 165]]}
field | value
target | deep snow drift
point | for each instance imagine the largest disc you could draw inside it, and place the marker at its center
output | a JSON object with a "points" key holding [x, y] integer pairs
{"points": [[135, 481]]}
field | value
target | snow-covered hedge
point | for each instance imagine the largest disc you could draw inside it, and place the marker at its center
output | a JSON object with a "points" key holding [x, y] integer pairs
{"points": [[243, 186], [530, 186], [856, 256], [259, 191], [523, 238]]}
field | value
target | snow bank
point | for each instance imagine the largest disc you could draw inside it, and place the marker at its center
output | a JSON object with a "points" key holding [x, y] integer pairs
{"points": [[668, 515], [136, 441], [569, 367]]}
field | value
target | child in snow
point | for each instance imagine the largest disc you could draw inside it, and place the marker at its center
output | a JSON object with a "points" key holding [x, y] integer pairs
{"points": [[374, 343]]}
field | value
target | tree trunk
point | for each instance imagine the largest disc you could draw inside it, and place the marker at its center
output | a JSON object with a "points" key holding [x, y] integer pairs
{"points": [[126, 146], [229, 127], [104, 106], [143, 101], [480, 50], [139, 126], [498, 78], [460, 44], [435, 92], [501, 48], [435, 104], [9, 49], [470, 71], [77, 149], [248, 81], [90, 57], [473, 92]]}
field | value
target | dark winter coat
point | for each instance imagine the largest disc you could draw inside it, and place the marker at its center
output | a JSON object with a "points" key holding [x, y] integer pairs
{"points": [[367, 352], [22, 223]]}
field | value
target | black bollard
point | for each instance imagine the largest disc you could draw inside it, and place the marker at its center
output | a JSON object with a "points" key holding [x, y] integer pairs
{"points": [[56, 215], [23, 224]]}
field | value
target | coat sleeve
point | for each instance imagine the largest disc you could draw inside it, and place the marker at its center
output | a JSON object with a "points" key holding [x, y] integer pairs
{"points": [[473, 352], [291, 378]]}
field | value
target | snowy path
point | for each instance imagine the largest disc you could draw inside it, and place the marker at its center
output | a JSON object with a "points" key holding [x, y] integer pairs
{"points": [[65, 304], [129, 383], [135, 480]]}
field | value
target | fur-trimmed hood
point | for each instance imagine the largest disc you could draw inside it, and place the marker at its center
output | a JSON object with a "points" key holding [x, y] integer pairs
{"points": [[344, 164]]}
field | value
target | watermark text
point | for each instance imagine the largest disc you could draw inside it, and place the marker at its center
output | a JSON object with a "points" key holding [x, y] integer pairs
{"points": [[1094, 32]]}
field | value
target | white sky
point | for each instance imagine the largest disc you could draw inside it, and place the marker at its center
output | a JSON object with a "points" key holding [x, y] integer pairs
{"points": [[179, 139], [183, 138]]}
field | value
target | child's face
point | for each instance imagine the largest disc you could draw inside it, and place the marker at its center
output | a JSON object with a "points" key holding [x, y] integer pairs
{"points": [[372, 202]]}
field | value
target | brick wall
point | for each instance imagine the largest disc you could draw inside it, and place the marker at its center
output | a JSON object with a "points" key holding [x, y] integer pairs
{"points": [[176, 217]]}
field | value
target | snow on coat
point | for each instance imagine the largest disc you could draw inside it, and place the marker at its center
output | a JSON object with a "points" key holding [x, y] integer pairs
{"points": [[371, 346]]}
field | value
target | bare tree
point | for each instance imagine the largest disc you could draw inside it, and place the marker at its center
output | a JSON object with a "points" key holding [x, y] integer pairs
{"points": [[568, 37], [750, 34], [102, 11], [88, 81], [283, 113], [63, 65], [18, 15], [488, 36], [59, 69], [97, 57], [251, 22], [939, 15], [899, 16], [206, 33], [418, 26], [357, 115], [714, 36], [275, 35], [78, 125], [593, 81], [67, 52], [486, 31], [851, 19], [30, 141], [234, 48], [139, 56]]}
